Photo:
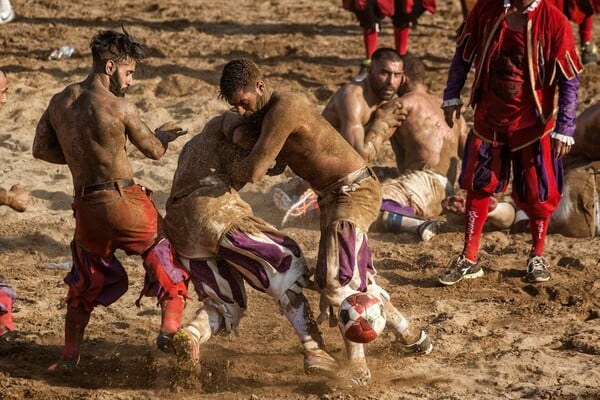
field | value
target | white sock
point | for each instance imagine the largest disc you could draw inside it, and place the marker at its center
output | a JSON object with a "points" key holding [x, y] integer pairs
{"points": [[5, 5]]}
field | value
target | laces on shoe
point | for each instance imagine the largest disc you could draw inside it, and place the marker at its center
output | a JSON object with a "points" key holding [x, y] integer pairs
{"points": [[537, 263]]}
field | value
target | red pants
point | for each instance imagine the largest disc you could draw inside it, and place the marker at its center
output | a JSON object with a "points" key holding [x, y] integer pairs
{"points": [[537, 176]]}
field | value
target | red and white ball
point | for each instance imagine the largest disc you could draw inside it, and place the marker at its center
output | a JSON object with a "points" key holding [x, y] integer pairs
{"points": [[361, 317]]}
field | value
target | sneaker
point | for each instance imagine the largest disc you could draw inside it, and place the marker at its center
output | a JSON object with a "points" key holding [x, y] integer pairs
{"points": [[423, 346], [6, 16], [164, 342], [429, 229], [317, 361], [282, 200], [187, 348], [64, 367], [537, 269], [460, 268], [364, 71], [589, 53]]}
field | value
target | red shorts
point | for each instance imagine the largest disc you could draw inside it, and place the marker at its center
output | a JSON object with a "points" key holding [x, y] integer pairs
{"points": [[537, 176]]}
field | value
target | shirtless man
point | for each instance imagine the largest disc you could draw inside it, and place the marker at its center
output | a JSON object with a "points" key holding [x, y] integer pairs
{"points": [[86, 126], [217, 237], [16, 198], [293, 133], [578, 212], [426, 149]]}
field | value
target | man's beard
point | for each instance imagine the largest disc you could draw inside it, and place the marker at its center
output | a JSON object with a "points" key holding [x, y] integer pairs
{"points": [[115, 86]]}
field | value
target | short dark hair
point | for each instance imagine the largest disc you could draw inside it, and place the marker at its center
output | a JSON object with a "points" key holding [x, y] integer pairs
{"points": [[414, 67], [386, 54], [238, 75], [111, 45]]}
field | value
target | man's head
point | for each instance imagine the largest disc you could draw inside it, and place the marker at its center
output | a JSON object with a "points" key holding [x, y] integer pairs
{"points": [[3, 88], [386, 72], [116, 55], [243, 87], [414, 72]]}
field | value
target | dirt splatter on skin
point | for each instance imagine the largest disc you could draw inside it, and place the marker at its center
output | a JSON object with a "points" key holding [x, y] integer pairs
{"points": [[495, 337]]}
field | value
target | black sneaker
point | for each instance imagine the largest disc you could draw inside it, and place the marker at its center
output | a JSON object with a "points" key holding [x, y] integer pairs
{"points": [[537, 269], [589, 53], [460, 268]]}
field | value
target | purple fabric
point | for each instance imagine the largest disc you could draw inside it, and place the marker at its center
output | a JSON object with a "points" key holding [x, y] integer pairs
{"points": [[201, 274], [164, 254], [397, 208], [567, 104], [8, 290], [270, 252], [457, 74], [348, 258], [114, 278]]}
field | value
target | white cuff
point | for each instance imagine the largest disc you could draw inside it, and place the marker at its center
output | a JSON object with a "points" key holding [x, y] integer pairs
{"points": [[452, 102], [568, 140]]}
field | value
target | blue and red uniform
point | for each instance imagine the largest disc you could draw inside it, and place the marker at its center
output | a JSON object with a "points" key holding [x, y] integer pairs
{"points": [[517, 73]]}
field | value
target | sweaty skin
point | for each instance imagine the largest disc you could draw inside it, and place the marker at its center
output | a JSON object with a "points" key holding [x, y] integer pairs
{"points": [[424, 140], [366, 113], [86, 126], [294, 133]]}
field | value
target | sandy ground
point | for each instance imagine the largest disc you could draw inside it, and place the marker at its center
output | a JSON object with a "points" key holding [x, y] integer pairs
{"points": [[496, 337]]}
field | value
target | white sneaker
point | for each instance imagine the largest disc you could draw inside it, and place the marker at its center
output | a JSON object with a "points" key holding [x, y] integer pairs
{"points": [[6, 16]]}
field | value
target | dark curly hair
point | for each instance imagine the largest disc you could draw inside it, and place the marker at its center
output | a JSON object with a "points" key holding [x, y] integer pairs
{"points": [[111, 45], [238, 75]]}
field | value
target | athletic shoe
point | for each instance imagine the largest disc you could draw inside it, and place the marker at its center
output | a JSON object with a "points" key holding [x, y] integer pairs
{"points": [[423, 346], [282, 200], [429, 229], [537, 269], [317, 361], [364, 71], [589, 53], [187, 348], [64, 367], [6, 16], [460, 268], [164, 342]]}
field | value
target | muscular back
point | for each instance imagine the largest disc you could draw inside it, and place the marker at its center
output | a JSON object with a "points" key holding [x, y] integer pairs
{"points": [[310, 145], [210, 153], [87, 127], [424, 140]]}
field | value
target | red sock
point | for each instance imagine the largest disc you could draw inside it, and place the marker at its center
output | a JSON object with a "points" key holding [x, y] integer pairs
{"points": [[75, 322], [401, 39], [172, 313], [538, 227], [476, 213], [370, 39], [586, 30]]}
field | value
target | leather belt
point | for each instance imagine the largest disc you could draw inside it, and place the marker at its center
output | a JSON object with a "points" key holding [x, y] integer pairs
{"points": [[112, 185]]}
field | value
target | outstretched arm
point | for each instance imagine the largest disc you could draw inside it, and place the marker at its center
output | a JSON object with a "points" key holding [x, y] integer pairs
{"points": [[150, 144]]}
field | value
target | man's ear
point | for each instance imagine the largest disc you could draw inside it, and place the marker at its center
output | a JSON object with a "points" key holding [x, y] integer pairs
{"points": [[110, 67], [260, 87]]}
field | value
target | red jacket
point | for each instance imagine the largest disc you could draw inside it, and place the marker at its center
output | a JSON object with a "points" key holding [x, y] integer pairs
{"points": [[546, 54], [577, 10]]}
